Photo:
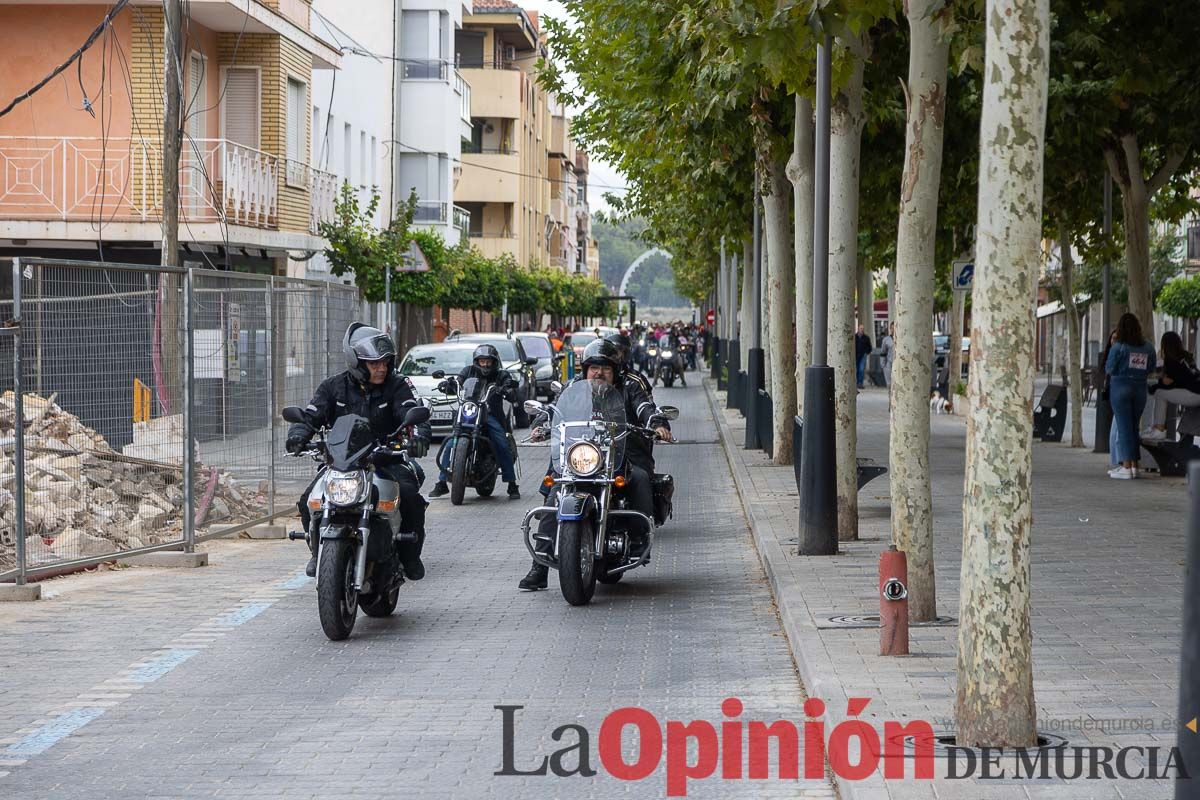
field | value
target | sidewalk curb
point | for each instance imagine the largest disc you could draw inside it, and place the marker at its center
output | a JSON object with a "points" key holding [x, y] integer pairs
{"points": [[811, 656]]}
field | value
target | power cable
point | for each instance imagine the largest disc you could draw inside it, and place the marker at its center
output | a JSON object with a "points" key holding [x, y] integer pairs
{"points": [[590, 184], [108, 18]]}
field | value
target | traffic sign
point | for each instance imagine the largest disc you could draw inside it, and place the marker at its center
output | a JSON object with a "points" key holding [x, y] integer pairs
{"points": [[711, 317], [962, 275]]}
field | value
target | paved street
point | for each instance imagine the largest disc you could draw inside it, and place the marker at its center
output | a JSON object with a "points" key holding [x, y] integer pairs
{"points": [[219, 683]]}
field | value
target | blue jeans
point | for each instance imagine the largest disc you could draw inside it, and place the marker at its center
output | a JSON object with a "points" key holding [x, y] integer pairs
{"points": [[860, 366], [1112, 444], [504, 456], [1128, 398]]}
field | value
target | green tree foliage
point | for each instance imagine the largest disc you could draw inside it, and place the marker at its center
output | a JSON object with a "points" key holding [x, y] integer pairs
{"points": [[1181, 298], [357, 247]]}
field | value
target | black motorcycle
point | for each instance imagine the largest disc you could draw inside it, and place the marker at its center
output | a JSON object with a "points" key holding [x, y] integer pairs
{"points": [[472, 460], [600, 536], [355, 517], [667, 367]]}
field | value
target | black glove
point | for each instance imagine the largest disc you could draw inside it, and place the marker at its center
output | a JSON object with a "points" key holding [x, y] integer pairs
{"points": [[296, 443], [418, 447], [448, 386]]}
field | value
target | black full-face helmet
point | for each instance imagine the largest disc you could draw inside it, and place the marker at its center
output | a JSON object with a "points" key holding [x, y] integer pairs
{"points": [[486, 351], [602, 353], [623, 345], [361, 344]]}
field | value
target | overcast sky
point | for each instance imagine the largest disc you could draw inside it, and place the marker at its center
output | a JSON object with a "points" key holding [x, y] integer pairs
{"points": [[601, 175]]}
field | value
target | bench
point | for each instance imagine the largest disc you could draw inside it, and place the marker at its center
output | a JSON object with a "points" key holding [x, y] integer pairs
{"points": [[1172, 456], [868, 468]]}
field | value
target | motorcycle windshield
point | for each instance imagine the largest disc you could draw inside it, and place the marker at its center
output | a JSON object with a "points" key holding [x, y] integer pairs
{"points": [[472, 389], [350, 439], [588, 411]]}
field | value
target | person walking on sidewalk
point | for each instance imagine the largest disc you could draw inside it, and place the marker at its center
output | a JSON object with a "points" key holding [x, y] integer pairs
{"points": [[1130, 362], [862, 349], [888, 352]]}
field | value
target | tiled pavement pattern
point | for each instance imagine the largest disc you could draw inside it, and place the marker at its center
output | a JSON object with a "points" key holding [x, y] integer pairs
{"points": [[1107, 578], [218, 682]]}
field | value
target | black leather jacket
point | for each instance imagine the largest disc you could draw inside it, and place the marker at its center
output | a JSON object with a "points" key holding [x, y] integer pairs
{"points": [[383, 405]]}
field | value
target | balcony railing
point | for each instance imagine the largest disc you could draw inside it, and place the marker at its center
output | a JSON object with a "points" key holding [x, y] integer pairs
{"points": [[503, 150], [323, 192], [462, 220], [86, 179], [506, 63], [425, 69], [464, 96], [431, 212]]}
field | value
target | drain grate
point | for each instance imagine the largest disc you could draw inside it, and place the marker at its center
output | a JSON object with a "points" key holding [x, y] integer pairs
{"points": [[872, 621], [944, 746]]}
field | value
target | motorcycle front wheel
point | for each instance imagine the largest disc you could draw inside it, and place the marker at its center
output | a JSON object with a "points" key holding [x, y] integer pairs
{"points": [[337, 602], [458, 474], [577, 562]]}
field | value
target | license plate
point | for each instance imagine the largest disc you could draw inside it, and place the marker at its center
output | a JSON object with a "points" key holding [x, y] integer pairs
{"points": [[442, 416]]}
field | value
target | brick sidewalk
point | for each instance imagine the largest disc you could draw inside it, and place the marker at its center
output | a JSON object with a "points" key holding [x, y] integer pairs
{"points": [[1107, 578]]}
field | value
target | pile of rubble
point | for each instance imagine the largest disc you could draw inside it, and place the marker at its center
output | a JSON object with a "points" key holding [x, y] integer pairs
{"points": [[84, 499]]}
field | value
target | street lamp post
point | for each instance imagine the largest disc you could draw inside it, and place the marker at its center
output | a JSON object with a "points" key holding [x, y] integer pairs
{"points": [[1103, 409], [818, 468], [754, 367]]}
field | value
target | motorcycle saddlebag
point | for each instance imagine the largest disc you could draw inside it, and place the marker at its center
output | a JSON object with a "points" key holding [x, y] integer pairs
{"points": [[664, 490]]}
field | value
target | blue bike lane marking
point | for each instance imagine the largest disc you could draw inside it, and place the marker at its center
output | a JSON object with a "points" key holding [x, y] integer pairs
{"points": [[45, 736]]}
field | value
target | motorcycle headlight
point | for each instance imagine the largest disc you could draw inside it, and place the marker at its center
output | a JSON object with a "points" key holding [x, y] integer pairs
{"points": [[470, 410], [667, 354], [584, 458], [344, 488]]}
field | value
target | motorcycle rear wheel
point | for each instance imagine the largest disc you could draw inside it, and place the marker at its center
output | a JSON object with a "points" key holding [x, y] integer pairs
{"points": [[458, 475], [577, 562], [381, 605], [337, 602]]}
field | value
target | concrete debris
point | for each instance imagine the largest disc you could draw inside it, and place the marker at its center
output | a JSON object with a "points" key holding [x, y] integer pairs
{"points": [[84, 499]]}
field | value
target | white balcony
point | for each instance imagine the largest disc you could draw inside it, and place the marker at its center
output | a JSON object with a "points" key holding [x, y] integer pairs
{"points": [[80, 179]]}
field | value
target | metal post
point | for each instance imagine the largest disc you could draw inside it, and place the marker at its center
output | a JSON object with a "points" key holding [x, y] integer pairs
{"points": [[18, 425], [1189, 661], [325, 344], [720, 305], [818, 469], [1103, 409], [189, 415], [754, 369], [733, 359], [271, 398]]}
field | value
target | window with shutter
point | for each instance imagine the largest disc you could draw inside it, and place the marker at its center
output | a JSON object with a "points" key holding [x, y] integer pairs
{"points": [[196, 170], [297, 115], [239, 106]]}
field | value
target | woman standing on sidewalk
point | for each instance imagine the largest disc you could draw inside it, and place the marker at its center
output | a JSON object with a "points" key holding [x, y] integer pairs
{"points": [[1129, 363]]}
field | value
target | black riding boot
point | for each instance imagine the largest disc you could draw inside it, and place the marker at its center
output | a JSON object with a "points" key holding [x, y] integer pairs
{"points": [[534, 579]]}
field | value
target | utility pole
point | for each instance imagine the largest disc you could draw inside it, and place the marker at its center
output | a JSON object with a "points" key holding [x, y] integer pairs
{"points": [[172, 135]]}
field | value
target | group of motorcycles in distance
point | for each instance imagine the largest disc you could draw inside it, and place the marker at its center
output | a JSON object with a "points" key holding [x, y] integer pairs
{"points": [[357, 522]]}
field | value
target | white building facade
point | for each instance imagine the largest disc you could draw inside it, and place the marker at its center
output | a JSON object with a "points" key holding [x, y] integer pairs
{"points": [[433, 114]]}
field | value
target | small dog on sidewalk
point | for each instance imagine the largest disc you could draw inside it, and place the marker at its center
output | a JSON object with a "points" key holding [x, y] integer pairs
{"points": [[938, 404]]}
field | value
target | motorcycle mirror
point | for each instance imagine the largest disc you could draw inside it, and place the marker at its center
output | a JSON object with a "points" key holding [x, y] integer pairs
{"points": [[416, 416], [669, 412], [295, 414], [531, 362], [534, 407], [438, 374]]}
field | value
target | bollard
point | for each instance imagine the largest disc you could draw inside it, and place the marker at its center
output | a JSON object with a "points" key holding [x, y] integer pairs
{"points": [[1189, 661], [893, 603]]}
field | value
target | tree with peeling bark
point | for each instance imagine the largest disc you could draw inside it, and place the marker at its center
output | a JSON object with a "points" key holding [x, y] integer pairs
{"points": [[908, 445], [994, 705]]}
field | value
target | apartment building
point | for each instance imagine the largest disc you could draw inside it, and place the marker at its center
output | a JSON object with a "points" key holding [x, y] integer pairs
{"points": [[505, 163], [433, 113], [82, 158]]}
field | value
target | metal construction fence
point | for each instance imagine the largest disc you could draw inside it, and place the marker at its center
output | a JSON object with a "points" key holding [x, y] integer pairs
{"points": [[142, 408]]}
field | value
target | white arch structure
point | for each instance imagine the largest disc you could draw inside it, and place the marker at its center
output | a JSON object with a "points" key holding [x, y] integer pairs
{"points": [[637, 262]]}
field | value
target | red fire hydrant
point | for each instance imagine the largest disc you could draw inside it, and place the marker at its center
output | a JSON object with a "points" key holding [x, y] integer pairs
{"points": [[893, 603]]}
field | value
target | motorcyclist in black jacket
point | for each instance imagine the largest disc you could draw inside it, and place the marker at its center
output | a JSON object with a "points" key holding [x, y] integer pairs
{"points": [[371, 388], [602, 361], [485, 366]]}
